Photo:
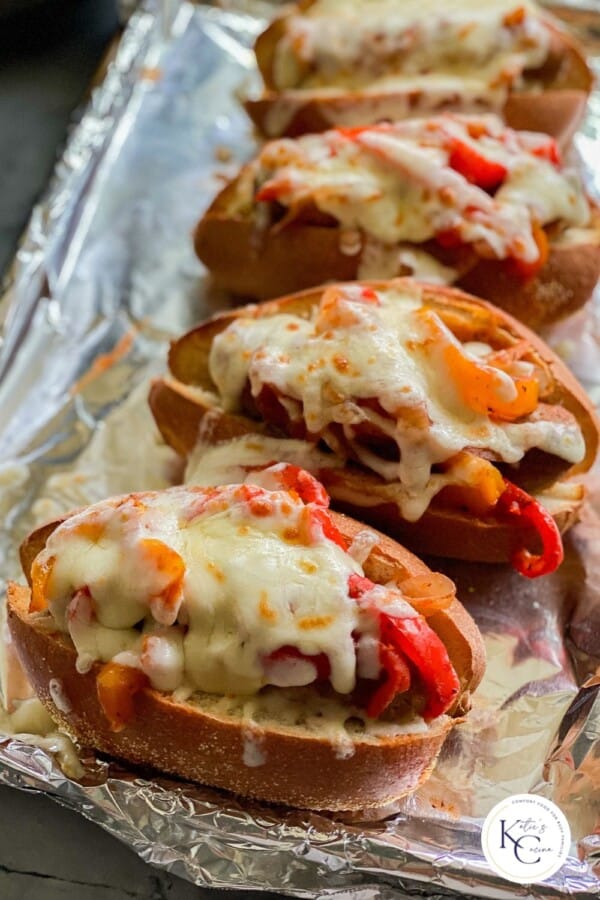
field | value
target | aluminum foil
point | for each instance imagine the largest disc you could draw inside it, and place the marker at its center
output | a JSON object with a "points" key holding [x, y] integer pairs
{"points": [[104, 277]]}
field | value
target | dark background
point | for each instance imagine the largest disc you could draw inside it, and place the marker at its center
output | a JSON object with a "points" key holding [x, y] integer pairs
{"points": [[49, 52]]}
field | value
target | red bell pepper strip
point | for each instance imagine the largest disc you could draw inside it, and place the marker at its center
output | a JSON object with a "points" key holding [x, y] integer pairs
{"points": [[411, 639], [272, 190], [402, 641], [315, 518], [369, 296], [397, 680], [323, 519], [354, 131], [449, 238], [293, 478], [485, 173], [528, 270], [359, 585], [517, 506], [548, 150], [465, 159]]}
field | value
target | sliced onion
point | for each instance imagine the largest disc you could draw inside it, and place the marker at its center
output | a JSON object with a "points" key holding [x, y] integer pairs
{"points": [[428, 593]]}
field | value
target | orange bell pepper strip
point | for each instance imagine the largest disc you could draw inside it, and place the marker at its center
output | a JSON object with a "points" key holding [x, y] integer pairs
{"points": [[41, 572], [528, 270], [477, 485], [481, 387], [171, 567], [514, 17], [117, 688]]}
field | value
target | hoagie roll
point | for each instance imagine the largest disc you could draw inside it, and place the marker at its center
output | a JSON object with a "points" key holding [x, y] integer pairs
{"points": [[247, 638], [424, 411]]}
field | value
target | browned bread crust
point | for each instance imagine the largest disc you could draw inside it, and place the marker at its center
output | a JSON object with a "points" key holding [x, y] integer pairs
{"points": [[181, 411], [262, 262], [270, 762], [554, 112], [556, 109]]}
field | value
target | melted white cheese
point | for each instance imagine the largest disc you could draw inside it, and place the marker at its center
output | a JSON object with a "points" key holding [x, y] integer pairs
{"points": [[295, 584], [350, 44], [384, 261], [354, 351], [232, 461], [247, 576], [254, 753], [395, 184], [31, 723], [58, 695]]}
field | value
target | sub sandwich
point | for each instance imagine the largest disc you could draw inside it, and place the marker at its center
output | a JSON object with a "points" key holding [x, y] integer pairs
{"points": [[425, 412], [247, 638], [452, 199], [334, 62]]}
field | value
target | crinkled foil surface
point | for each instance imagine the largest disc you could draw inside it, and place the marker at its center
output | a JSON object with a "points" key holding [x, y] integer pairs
{"points": [[105, 276]]}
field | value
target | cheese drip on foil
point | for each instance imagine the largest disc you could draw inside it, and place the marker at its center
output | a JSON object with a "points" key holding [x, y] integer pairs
{"points": [[395, 183], [354, 45], [197, 588], [326, 370]]}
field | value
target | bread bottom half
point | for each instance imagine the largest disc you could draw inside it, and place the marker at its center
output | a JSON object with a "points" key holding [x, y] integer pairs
{"points": [[288, 747]]}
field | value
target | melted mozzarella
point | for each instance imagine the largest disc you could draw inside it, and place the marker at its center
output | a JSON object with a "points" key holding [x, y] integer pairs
{"points": [[395, 184], [296, 587], [384, 261], [31, 723], [254, 580], [332, 366], [351, 44], [232, 462]]}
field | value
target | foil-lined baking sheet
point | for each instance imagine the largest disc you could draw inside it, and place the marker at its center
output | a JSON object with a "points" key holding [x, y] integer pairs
{"points": [[105, 276]]}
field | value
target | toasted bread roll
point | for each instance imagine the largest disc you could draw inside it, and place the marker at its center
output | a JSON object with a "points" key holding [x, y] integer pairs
{"points": [[324, 66], [450, 199], [362, 463], [187, 699]]}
